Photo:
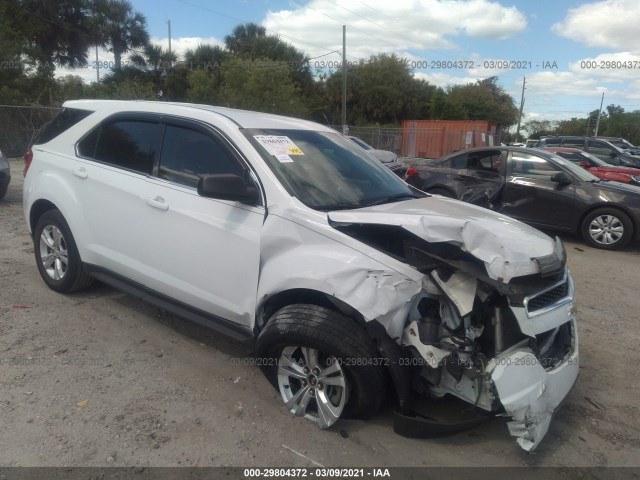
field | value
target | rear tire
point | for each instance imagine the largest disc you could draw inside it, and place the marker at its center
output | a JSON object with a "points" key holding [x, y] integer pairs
{"points": [[312, 347], [607, 228], [56, 254]]}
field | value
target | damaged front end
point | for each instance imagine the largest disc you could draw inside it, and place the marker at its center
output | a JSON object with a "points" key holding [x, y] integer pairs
{"points": [[493, 324]]}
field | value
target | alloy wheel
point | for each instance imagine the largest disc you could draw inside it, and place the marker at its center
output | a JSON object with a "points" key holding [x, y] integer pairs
{"points": [[606, 229], [312, 385], [53, 252]]}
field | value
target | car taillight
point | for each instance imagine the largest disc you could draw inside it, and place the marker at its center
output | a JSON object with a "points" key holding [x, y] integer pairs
{"points": [[411, 171], [28, 157]]}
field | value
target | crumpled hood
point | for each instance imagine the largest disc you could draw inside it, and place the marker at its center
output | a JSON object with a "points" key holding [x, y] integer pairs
{"points": [[506, 246]]}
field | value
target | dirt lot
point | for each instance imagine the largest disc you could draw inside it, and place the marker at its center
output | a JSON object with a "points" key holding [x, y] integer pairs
{"points": [[101, 378]]}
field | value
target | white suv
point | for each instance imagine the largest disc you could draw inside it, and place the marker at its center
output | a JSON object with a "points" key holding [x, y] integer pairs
{"points": [[284, 233]]}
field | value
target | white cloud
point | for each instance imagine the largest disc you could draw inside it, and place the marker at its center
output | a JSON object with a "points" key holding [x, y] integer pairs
{"points": [[610, 23], [383, 26], [444, 80], [182, 44]]}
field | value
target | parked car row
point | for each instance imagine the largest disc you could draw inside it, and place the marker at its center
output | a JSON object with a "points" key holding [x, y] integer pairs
{"points": [[537, 187], [600, 147], [285, 234]]}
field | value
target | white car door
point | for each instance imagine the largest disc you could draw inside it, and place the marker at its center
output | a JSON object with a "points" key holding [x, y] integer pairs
{"points": [[111, 177], [200, 251]]}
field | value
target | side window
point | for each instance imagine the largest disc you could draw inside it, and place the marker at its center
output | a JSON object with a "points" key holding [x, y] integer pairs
{"points": [[532, 166], [188, 154], [487, 161], [600, 148], [66, 119], [129, 144], [573, 142], [458, 162], [552, 142]]}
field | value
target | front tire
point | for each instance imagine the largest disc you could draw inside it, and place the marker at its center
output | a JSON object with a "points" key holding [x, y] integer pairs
{"points": [[607, 228], [325, 365], [56, 254]]}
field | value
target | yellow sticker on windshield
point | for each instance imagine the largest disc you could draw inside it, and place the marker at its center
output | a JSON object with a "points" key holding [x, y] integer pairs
{"points": [[294, 151], [279, 145]]}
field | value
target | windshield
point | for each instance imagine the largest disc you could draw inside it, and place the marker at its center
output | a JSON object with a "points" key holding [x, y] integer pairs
{"points": [[325, 170], [576, 170]]}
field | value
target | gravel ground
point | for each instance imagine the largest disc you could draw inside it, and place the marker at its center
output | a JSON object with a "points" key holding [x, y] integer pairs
{"points": [[100, 378]]}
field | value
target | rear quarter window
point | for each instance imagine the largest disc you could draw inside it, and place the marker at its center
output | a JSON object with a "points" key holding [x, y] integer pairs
{"points": [[129, 144], [66, 119]]}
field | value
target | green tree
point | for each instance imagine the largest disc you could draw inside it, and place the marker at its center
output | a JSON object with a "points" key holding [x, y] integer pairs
{"points": [[538, 128], [263, 89], [119, 27], [484, 100], [380, 90], [251, 42], [48, 32]]}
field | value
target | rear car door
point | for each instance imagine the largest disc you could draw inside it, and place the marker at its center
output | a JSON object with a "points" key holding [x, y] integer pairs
{"points": [[200, 251], [114, 161], [532, 196]]}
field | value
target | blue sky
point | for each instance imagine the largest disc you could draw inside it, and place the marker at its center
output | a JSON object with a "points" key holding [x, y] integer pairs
{"points": [[561, 35]]}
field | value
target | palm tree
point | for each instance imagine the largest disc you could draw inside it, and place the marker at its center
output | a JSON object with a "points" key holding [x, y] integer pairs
{"points": [[119, 27], [206, 57]]}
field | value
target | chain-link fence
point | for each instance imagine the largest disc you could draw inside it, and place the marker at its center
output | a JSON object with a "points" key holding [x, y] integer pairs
{"points": [[18, 124]]}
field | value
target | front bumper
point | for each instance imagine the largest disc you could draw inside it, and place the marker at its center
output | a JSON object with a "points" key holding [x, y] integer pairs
{"points": [[530, 393]]}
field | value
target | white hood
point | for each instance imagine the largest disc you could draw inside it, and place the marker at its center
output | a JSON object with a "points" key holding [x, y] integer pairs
{"points": [[506, 246]]}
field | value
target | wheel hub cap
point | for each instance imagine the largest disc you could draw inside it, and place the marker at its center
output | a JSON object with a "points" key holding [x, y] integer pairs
{"points": [[53, 252], [312, 385], [606, 229]]}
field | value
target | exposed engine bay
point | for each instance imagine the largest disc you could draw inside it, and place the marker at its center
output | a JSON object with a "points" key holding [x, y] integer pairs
{"points": [[505, 347]]}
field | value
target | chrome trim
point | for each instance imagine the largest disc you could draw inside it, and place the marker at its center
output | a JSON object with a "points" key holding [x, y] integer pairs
{"points": [[558, 303]]}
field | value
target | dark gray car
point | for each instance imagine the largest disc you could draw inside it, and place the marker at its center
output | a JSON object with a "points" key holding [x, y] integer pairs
{"points": [[539, 188]]}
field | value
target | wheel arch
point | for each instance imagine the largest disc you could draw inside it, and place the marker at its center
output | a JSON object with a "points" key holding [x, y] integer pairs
{"points": [[275, 302], [614, 206], [38, 208]]}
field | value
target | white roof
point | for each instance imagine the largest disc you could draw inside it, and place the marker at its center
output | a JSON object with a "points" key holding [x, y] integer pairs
{"points": [[243, 118]]}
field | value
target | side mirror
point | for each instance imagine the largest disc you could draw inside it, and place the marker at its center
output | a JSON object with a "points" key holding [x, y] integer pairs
{"points": [[562, 178], [228, 186], [584, 164]]}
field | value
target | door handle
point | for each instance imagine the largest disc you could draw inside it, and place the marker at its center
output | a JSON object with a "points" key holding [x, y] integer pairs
{"points": [[157, 202], [80, 173]]}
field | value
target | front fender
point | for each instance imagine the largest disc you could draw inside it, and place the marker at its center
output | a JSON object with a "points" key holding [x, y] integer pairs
{"points": [[296, 257]]}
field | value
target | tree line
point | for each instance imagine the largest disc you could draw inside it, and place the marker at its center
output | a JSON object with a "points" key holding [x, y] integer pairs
{"points": [[614, 122], [252, 70]]}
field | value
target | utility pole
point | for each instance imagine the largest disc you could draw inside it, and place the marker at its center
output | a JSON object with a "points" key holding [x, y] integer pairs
{"points": [[599, 113], [169, 25], [524, 82], [97, 66], [344, 80]]}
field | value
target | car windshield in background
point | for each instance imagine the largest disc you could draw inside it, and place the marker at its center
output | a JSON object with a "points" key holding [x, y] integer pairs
{"points": [[576, 170], [326, 171], [577, 157]]}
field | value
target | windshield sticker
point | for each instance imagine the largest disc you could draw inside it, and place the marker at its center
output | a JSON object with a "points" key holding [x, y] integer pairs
{"points": [[279, 146], [284, 158]]}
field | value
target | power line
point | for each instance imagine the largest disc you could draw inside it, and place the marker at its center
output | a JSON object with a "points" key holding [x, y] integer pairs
{"points": [[350, 26], [244, 21]]}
